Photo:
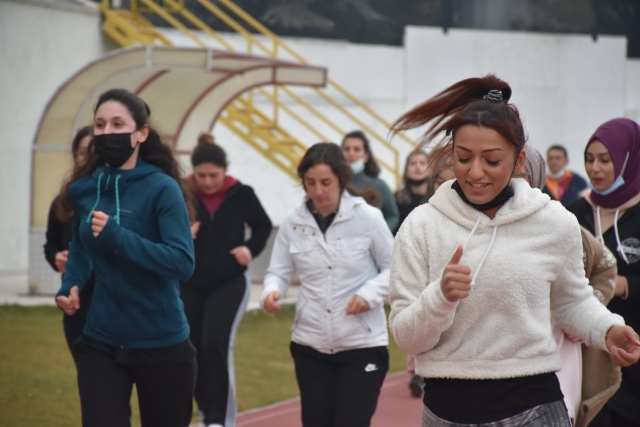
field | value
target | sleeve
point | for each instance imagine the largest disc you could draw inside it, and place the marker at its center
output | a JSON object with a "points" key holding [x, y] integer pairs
{"points": [[281, 266], [259, 222], [376, 290], [174, 256], [54, 236], [419, 311], [78, 267], [603, 274], [389, 208], [573, 304], [581, 183]]}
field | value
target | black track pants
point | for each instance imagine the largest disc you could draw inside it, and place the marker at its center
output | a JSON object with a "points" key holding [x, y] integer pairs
{"points": [[73, 327], [342, 389], [165, 390], [214, 316]]}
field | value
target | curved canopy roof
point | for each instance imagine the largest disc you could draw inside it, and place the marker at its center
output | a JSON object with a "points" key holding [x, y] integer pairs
{"points": [[185, 88]]}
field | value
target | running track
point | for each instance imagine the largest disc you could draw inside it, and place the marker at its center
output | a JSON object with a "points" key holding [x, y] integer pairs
{"points": [[396, 407]]}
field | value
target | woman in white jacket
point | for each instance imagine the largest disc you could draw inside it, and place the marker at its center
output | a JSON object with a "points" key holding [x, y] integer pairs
{"points": [[478, 273], [341, 249]]}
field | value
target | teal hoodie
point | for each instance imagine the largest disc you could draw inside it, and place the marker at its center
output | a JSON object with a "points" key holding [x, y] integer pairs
{"points": [[142, 253]]}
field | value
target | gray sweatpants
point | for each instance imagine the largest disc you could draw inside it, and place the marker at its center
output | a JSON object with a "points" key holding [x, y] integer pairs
{"points": [[548, 415]]}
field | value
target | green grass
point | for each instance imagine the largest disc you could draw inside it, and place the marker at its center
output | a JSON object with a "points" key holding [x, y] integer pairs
{"points": [[38, 380]]}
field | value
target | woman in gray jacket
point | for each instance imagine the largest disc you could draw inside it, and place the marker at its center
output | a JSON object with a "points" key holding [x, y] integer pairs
{"points": [[341, 249]]}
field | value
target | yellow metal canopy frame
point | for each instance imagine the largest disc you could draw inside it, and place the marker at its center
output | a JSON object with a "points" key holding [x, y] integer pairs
{"points": [[186, 89], [129, 27]]}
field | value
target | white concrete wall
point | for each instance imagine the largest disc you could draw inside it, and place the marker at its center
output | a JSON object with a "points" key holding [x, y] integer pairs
{"points": [[41, 47], [632, 107], [374, 74], [565, 86]]}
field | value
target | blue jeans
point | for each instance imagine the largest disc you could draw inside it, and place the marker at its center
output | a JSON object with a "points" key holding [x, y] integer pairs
{"points": [[548, 415]]}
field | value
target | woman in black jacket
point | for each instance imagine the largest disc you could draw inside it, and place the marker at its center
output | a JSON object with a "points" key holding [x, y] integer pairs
{"points": [[416, 185], [56, 247], [215, 296], [611, 212]]}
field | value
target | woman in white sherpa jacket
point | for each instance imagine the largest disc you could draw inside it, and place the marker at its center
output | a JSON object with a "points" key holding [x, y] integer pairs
{"points": [[341, 249], [478, 273]]}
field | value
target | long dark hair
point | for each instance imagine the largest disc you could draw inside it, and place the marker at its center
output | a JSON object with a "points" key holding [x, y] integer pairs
{"points": [[465, 103], [153, 151], [371, 167], [403, 196], [331, 155], [75, 144]]}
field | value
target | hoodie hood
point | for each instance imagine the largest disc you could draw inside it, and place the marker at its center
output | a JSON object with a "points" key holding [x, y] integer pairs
{"points": [[525, 202], [141, 170]]}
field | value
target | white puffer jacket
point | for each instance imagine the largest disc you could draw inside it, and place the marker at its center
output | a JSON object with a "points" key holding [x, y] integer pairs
{"points": [[352, 257], [526, 265]]}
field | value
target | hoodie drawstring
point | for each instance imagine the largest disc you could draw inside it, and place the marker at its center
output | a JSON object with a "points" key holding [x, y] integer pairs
{"points": [[615, 229], [95, 205], [486, 253], [473, 230], [117, 216]]}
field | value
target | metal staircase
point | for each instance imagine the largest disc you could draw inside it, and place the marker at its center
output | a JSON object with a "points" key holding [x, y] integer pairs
{"points": [[258, 126]]}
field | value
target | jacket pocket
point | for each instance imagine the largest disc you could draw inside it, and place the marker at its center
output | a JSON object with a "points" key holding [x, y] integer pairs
{"points": [[301, 252], [363, 321], [353, 244]]}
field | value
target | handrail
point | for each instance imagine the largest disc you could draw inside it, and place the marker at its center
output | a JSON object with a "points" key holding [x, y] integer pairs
{"points": [[277, 41], [165, 8], [173, 21]]}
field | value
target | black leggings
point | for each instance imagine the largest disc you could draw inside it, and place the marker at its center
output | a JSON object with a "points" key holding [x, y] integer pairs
{"points": [[72, 327], [165, 390], [214, 316], [341, 389]]}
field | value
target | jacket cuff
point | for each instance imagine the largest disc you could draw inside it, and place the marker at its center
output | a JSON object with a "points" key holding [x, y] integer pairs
{"points": [[268, 288], [615, 320], [437, 302], [109, 234]]}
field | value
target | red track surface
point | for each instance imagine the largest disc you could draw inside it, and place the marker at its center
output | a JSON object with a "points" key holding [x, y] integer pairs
{"points": [[396, 407]]}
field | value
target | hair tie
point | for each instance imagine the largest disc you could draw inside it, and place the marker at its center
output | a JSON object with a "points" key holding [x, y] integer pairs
{"points": [[493, 95]]}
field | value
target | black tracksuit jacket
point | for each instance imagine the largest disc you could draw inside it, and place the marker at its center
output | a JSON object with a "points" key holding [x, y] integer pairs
{"points": [[224, 231], [627, 400]]}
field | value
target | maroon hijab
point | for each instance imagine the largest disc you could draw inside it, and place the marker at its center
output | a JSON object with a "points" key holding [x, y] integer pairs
{"points": [[621, 137]]}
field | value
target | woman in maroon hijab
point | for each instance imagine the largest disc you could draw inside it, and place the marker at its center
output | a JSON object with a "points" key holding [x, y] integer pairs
{"points": [[611, 212]]}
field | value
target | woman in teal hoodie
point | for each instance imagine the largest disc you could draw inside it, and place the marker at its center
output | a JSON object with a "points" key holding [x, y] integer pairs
{"points": [[357, 152], [131, 226]]}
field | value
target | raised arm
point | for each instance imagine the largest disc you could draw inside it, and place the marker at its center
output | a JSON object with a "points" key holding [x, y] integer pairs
{"points": [[78, 267], [419, 311], [259, 223], [173, 256]]}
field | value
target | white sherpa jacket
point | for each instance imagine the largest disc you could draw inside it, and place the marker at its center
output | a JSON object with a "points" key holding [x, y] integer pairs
{"points": [[352, 258], [527, 266]]}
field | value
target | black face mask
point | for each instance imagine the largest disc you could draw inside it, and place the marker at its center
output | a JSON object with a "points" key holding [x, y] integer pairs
{"points": [[501, 198], [113, 148], [416, 182]]}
